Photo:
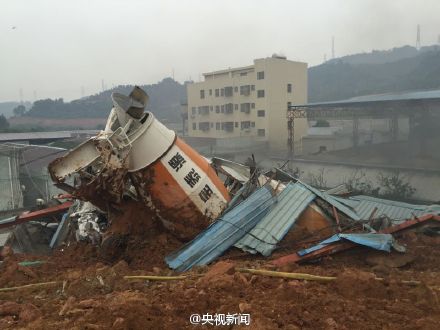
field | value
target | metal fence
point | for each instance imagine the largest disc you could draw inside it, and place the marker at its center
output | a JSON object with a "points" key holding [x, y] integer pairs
{"points": [[23, 175]]}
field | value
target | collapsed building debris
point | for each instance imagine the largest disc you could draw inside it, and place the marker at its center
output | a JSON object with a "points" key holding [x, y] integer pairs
{"points": [[126, 219], [137, 164]]}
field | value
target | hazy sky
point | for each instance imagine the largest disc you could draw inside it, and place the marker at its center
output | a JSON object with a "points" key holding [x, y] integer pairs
{"points": [[57, 46]]}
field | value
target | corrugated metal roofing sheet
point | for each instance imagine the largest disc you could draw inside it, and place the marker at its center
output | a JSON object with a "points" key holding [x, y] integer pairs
{"points": [[264, 237], [338, 190], [376, 241], [224, 232], [399, 211], [387, 97], [333, 201]]}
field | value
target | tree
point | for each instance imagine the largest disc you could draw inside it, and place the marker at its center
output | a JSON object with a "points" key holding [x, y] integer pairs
{"points": [[19, 110], [4, 124]]}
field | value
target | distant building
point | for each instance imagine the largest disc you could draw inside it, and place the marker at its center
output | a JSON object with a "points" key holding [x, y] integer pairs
{"points": [[249, 102]]}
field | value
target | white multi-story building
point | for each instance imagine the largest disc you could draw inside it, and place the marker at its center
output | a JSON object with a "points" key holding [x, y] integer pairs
{"points": [[249, 101]]}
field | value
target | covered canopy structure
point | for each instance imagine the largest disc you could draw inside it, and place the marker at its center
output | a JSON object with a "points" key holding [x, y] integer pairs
{"points": [[422, 108]]}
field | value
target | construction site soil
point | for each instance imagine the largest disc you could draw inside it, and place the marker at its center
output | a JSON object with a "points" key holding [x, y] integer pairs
{"points": [[91, 293]]}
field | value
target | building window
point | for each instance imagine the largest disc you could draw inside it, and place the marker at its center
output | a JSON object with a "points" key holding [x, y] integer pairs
{"points": [[289, 88], [216, 93], [236, 106], [202, 94], [245, 90], [253, 105], [228, 91], [261, 132], [204, 126], [194, 126], [289, 104], [236, 124], [228, 126], [193, 110], [223, 109], [217, 109], [203, 110], [236, 89], [245, 124], [217, 126], [229, 108], [212, 125], [252, 87], [261, 113], [245, 107], [252, 124], [210, 92], [260, 93], [222, 92], [243, 74], [260, 75], [211, 108]]}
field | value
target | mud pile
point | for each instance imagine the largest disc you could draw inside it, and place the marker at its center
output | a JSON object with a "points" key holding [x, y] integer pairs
{"points": [[92, 294]]}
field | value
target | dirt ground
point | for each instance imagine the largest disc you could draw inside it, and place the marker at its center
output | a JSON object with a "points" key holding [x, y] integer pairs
{"points": [[92, 294]]}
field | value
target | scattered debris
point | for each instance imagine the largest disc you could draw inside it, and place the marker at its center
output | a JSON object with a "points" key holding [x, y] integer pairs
{"points": [[142, 202]]}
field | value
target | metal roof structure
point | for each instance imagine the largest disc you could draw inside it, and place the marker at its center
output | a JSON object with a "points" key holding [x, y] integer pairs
{"points": [[256, 224], [29, 136], [377, 98], [338, 190], [336, 202], [224, 232], [397, 211], [264, 237]]}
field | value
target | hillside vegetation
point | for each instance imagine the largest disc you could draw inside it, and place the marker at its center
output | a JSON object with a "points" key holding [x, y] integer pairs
{"points": [[164, 102], [398, 70]]}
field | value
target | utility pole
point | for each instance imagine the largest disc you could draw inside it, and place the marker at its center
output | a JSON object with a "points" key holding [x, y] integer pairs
{"points": [[418, 37], [333, 47]]}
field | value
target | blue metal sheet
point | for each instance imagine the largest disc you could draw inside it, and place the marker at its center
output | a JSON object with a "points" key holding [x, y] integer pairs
{"points": [[376, 241], [395, 210], [264, 237], [224, 232], [55, 236]]}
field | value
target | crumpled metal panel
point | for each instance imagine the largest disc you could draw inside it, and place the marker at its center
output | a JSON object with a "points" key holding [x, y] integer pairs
{"points": [[397, 211], [264, 237], [338, 190], [381, 242], [224, 232], [333, 201]]}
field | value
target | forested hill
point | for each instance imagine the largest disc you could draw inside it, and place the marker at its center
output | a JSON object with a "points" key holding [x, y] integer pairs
{"points": [[398, 70], [164, 102]]}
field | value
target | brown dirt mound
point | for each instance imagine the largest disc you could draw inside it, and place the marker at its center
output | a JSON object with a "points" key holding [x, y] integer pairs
{"points": [[92, 294]]}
